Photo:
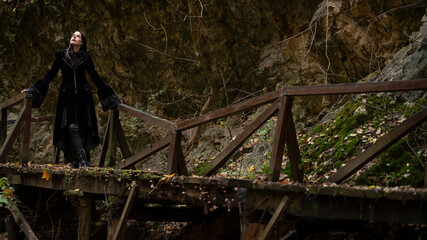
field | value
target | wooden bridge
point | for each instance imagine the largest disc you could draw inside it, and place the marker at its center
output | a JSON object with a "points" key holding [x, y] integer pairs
{"points": [[180, 197]]}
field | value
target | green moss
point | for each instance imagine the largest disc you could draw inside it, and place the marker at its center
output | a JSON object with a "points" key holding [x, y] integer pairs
{"points": [[396, 167], [203, 168], [330, 145]]}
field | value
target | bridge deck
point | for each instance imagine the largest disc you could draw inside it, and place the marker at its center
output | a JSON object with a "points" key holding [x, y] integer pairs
{"points": [[324, 202]]}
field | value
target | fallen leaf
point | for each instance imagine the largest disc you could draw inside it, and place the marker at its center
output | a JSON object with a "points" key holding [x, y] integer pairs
{"points": [[46, 175], [169, 176]]}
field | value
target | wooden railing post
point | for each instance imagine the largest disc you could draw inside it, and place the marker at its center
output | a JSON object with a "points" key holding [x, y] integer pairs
{"points": [[26, 129], [280, 138], [11, 137], [112, 140], [104, 146], [293, 151], [425, 174], [176, 162], [3, 125]]}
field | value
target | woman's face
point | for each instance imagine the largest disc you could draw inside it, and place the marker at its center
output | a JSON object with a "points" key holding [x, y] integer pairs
{"points": [[76, 39]]}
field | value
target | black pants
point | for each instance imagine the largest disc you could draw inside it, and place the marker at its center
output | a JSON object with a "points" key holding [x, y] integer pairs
{"points": [[76, 141]]}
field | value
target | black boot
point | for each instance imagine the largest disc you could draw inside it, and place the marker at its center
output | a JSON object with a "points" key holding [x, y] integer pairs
{"points": [[74, 165], [81, 158]]}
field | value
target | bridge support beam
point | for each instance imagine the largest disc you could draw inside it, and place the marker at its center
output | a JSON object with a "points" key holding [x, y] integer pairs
{"points": [[85, 218]]}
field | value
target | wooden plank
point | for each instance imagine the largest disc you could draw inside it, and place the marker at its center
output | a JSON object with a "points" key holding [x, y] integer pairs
{"points": [[222, 157], [379, 146], [146, 117], [279, 139], [104, 146], [293, 152], [331, 201], [128, 206], [173, 157], [275, 218], [17, 99], [227, 111], [26, 131], [121, 138], [154, 148], [3, 125], [10, 139], [353, 88]]}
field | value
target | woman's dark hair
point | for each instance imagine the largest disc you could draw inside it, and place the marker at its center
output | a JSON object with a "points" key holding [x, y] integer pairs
{"points": [[70, 52]]}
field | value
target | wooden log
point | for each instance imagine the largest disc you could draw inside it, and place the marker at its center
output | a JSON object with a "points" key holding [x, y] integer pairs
{"points": [[20, 220], [85, 218]]}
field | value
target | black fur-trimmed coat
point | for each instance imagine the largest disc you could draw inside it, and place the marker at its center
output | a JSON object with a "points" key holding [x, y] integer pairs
{"points": [[75, 100]]}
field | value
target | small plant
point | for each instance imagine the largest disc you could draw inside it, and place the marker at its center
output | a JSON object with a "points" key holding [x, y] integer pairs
{"points": [[6, 194]]}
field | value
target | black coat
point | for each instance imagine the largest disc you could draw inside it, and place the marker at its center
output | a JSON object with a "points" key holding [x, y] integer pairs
{"points": [[75, 100]]}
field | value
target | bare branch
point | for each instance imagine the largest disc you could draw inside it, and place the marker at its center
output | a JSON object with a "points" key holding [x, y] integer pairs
{"points": [[167, 55]]}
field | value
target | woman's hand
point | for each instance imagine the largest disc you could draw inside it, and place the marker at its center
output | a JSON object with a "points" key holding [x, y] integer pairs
{"points": [[24, 91]]}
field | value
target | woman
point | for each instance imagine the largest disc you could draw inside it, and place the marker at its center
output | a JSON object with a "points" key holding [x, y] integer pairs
{"points": [[76, 129]]}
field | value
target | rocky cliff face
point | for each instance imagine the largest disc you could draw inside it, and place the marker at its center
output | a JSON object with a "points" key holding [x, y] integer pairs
{"points": [[186, 48], [167, 57]]}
